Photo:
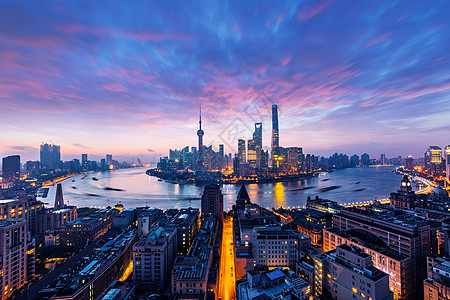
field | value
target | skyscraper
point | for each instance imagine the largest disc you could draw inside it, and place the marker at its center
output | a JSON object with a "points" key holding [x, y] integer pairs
{"points": [[11, 168], [212, 201], [447, 162], [84, 159], [109, 159], [50, 156], [200, 134], [433, 155], [257, 137], [409, 163], [275, 133], [251, 153], [365, 160], [241, 151]]}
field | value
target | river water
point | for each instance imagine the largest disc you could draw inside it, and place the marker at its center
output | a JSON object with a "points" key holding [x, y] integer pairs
{"points": [[139, 189]]}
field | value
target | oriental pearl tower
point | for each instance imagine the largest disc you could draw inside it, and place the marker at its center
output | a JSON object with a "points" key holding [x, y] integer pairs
{"points": [[200, 134]]}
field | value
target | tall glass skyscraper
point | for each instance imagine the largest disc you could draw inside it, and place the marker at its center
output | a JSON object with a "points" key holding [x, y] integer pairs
{"points": [[257, 138], [275, 132], [241, 151]]}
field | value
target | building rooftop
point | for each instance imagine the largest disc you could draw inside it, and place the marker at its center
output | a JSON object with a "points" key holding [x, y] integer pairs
{"points": [[275, 274], [443, 269], [392, 220], [371, 272], [90, 267], [9, 222], [370, 241], [64, 210], [291, 283], [195, 264]]}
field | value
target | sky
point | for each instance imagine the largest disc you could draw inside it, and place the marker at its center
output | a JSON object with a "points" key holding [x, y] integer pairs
{"points": [[128, 77]]}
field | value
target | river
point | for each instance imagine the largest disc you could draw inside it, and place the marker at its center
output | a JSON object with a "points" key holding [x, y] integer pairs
{"points": [[138, 189]]}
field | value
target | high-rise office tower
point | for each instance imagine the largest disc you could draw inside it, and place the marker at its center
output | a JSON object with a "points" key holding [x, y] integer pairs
{"points": [[11, 168], [383, 159], [212, 202], [275, 132], [409, 163], [251, 153], [264, 163], [109, 159], [293, 159], [50, 156], [84, 159], [433, 155], [200, 134], [257, 137], [241, 151], [447, 162], [236, 165]]}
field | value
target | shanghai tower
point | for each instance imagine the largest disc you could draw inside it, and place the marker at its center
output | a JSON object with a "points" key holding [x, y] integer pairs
{"points": [[275, 133]]}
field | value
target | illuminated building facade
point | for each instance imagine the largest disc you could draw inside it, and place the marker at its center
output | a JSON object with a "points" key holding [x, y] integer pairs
{"points": [[18, 256], [212, 202], [241, 151], [153, 257], [275, 130], [11, 168], [251, 153], [396, 236], [187, 222], [27, 209], [294, 159], [78, 232], [347, 272], [277, 247], [433, 160], [257, 138], [447, 162], [437, 285]]}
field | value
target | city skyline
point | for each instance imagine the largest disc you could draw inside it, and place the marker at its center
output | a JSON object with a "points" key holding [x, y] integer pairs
{"points": [[347, 77]]}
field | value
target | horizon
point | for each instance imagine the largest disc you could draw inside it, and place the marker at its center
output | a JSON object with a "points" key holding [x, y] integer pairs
{"points": [[348, 77]]}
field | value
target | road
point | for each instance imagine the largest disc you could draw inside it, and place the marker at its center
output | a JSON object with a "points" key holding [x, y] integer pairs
{"points": [[227, 290]]}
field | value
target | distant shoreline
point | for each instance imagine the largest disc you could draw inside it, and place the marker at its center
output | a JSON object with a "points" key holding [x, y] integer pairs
{"points": [[171, 178]]}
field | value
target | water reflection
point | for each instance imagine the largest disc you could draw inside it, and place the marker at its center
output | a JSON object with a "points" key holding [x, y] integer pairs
{"points": [[352, 185]]}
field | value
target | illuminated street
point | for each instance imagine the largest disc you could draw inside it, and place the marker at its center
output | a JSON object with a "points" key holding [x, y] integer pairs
{"points": [[227, 268]]}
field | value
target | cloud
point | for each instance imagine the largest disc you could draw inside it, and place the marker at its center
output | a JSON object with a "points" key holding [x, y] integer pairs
{"points": [[150, 150], [80, 146], [22, 148]]}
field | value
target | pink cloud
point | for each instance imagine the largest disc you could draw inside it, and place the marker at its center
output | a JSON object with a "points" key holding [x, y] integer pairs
{"points": [[308, 14], [285, 61], [115, 87], [279, 19]]}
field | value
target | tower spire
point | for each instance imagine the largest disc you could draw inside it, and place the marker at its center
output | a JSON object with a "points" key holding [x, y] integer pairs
{"points": [[200, 120]]}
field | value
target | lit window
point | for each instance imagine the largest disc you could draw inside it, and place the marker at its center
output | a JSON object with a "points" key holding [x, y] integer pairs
{"points": [[354, 290]]}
